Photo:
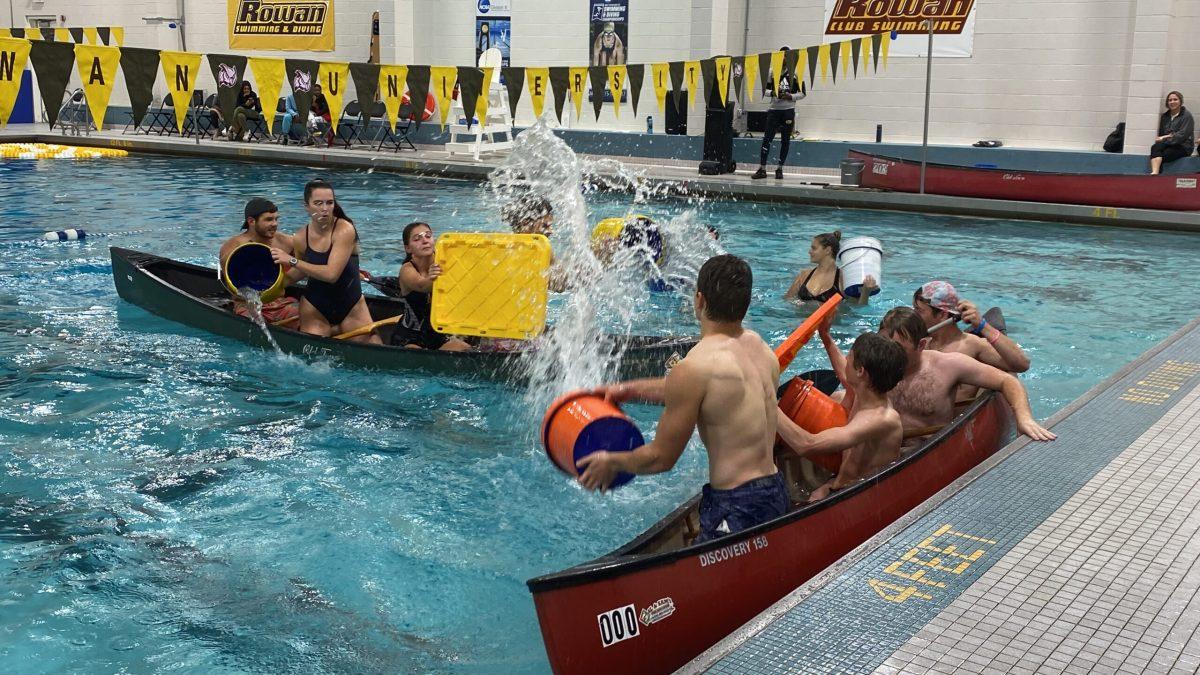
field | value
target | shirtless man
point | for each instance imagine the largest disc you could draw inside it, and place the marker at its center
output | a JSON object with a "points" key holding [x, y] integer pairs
{"points": [[726, 387], [872, 437], [261, 226], [925, 397], [937, 301]]}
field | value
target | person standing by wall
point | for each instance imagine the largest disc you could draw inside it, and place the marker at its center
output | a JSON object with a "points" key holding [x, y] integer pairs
{"points": [[1176, 134], [781, 117]]}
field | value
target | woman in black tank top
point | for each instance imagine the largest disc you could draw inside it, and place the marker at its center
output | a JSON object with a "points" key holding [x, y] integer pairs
{"points": [[327, 253], [416, 278]]}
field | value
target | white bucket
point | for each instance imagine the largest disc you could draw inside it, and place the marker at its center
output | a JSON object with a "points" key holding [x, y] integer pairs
{"points": [[858, 258]]}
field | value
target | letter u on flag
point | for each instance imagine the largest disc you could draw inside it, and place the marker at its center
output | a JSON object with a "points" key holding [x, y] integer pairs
{"points": [[98, 71], [13, 56], [441, 81], [391, 89], [179, 72], [334, 77]]}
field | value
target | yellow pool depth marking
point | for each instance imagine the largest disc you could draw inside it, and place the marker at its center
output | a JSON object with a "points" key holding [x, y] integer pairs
{"points": [[921, 566], [1158, 385]]}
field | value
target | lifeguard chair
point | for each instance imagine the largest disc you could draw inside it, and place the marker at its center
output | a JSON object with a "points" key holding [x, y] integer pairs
{"points": [[481, 138]]}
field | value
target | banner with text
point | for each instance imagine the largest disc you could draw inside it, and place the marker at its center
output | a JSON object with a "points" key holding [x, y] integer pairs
{"points": [[953, 24], [284, 25], [493, 28]]}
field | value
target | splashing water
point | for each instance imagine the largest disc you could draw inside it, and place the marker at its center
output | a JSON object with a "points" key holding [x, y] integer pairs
{"points": [[254, 305]]}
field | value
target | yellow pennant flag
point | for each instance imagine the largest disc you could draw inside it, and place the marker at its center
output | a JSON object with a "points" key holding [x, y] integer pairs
{"points": [[333, 78], [98, 71], [91, 36], [538, 82], [5, 33], [750, 71], [481, 103], [391, 89], [441, 83], [887, 42], [62, 35], [661, 73], [721, 65], [118, 35], [179, 72], [268, 75], [776, 69], [823, 62], [33, 33], [691, 77], [577, 83], [616, 84], [13, 55], [846, 47]]}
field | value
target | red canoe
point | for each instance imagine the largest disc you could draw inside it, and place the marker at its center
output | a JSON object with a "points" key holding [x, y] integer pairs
{"points": [[655, 603], [1173, 193]]}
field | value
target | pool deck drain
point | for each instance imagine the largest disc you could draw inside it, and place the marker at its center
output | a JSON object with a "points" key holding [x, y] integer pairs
{"points": [[816, 186], [1080, 555]]}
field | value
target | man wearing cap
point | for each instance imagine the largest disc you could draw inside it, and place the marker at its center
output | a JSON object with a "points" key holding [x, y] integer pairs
{"points": [[939, 304], [261, 226]]}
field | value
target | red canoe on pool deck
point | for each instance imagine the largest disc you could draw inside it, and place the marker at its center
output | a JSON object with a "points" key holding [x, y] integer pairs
{"points": [[1172, 193], [655, 603]]}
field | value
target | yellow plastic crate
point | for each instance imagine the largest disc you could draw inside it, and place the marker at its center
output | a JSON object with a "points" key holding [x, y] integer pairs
{"points": [[492, 285]]}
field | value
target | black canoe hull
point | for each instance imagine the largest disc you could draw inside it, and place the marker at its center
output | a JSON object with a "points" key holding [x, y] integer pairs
{"points": [[193, 295]]}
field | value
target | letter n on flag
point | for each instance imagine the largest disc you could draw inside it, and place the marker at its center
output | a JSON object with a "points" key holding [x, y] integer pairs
{"points": [[179, 71], [13, 56]]}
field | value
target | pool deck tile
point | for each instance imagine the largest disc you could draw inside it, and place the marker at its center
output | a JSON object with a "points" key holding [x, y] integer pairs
{"points": [[1081, 555]]}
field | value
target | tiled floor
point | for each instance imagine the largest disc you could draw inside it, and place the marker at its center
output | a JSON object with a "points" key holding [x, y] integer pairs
{"points": [[1082, 555]]}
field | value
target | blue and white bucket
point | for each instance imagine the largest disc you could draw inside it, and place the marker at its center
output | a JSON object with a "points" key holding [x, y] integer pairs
{"points": [[858, 258]]}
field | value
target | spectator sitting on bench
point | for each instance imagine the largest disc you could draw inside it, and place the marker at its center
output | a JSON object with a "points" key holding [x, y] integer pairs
{"points": [[1176, 134], [248, 108]]}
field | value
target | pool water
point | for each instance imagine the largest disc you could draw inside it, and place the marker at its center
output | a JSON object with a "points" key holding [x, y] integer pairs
{"points": [[174, 501]]}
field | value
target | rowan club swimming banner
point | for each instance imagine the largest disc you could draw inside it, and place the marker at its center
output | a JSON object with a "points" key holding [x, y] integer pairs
{"points": [[953, 24], [284, 25]]}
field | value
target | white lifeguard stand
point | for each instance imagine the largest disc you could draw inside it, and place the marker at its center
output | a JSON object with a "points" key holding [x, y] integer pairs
{"points": [[481, 137]]}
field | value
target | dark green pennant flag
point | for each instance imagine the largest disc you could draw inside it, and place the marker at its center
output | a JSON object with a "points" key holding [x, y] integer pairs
{"points": [[105, 33], [141, 69], [470, 87], [599, 77], [418, 91], [302, 75], [18, 33], [228, 70], [366, 84], [814, 54], [636, 74], [52, 62], [676, 70], [764, 72], [560, 81], [876, 41], [76, 35], [835, 52], [708, 75], [855, 48], [514, 81], [738, 68], [791, 58]]}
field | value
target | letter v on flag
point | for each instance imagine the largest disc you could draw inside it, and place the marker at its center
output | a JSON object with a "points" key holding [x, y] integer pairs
{"points": [[13, 56], [98, 71], [179, 72]]}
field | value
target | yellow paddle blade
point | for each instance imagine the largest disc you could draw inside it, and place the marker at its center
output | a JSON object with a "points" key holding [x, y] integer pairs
{"points": [[492, 285]]}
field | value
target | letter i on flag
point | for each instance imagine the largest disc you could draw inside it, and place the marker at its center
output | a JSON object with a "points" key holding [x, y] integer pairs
{"points": [[179, 72], [391, 89], [441, 81], [661, 73], [98, 71], [333, 78], [13, 56]]}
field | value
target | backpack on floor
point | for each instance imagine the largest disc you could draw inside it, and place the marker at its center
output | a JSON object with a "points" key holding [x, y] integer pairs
{"points": [[1116, 140]]}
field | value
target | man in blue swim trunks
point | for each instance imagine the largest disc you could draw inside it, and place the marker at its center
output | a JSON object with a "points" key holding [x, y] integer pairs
{"points": [[725, 387]]}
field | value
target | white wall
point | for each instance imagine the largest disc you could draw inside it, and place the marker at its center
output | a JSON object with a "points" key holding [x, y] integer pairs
{"points": [[1043, 74]]}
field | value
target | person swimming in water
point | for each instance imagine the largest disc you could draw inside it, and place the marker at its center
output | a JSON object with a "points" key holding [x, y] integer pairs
{"points": [[417, 275], [824, 279], [326, 251]]}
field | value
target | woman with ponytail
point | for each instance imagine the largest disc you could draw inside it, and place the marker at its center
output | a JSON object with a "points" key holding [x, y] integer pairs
{"points": [[822, 281], [417, 274]]}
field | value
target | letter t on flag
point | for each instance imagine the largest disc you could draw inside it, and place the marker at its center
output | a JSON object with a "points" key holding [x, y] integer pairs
{"points": [[179, 71], [13, 56]]}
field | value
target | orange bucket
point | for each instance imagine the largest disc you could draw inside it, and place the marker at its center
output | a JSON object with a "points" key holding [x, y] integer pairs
{"points": [[578, 424], [814, 412]]}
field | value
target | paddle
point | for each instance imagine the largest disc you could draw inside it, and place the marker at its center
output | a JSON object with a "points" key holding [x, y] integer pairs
{"points": [[369, 328], [993, 316], [787, 350]]}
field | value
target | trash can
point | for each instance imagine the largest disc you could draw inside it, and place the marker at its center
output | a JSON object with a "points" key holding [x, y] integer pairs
{"points": [[852, 171]]}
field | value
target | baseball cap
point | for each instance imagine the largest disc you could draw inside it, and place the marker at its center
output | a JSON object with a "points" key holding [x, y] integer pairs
{"points": [[256, 207], [940, 295]]}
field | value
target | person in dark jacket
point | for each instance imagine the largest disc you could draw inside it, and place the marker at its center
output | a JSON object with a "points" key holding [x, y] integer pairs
{"points": [[248, 108], [1176, 134]]}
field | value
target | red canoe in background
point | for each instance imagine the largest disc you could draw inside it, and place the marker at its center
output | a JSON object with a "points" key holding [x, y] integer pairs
{"points": [[657, 602], [1172, 193]]}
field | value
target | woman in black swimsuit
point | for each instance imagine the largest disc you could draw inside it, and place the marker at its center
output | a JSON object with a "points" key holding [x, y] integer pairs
{"points": [[327, 253], [417, 274], [821, 282]]}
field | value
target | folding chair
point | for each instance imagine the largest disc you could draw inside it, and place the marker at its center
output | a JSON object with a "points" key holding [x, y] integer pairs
{"points": [[403, 126], [351, 124], [162, 120], [191, 118], [207, 123], [257, 129]]}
